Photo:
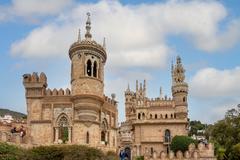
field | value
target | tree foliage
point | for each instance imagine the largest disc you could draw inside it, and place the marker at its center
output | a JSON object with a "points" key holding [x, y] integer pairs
{"points": [[195, 126], [181, 143], [226, 134]]}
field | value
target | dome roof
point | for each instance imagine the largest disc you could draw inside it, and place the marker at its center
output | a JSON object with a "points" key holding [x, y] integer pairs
{"points": [[88, 43]]}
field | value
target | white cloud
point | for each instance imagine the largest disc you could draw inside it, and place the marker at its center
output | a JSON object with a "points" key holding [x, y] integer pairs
{"points": [[136, 34], [211, 82], [30, 10]]}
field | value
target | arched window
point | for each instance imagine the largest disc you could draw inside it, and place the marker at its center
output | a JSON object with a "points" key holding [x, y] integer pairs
{"points": [[95, 69], [174, 115], [139, 116], [63, 128], [167, 137], [150, 116], [89, 68], [184, 99], [160, 115], [171, 116], [155, 116], [103, 136], [151, 151], [87, 138], [166, 116]]}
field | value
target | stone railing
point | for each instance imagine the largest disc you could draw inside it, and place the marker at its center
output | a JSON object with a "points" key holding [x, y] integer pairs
{"points": [[12, 137], [202, 152]]}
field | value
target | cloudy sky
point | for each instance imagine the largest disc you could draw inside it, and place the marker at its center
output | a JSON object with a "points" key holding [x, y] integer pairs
{"points": [[142, 38]]}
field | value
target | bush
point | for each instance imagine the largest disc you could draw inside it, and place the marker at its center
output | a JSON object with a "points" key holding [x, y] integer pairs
{"points": [[111, 156], [63, 152], [10, 152], [181, 143], [235, 152], [139, 158]]}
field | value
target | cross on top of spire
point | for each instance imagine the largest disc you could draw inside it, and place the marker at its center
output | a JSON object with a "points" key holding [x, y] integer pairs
{"points": [[88, 35]]}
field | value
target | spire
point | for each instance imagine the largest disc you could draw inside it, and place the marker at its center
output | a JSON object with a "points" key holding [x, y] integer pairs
{"points": [[178, 59], [136, 85], [79, 35], [104, 43], [88, 35], [161, 94], [128, 88], [144, 84]]}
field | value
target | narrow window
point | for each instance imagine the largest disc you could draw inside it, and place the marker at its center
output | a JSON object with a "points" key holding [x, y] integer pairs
{"points": [[89, 68], [171, 116], [103, 136], [95, 69], [139, 116], [150, 116], [155, 116], [184, 99], [151, 151], [166, 116], [87, 138], [167, 136]]}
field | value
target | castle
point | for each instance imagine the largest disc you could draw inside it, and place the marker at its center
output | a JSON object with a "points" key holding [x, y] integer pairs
{"points": [[151, 123], [84, 115]]}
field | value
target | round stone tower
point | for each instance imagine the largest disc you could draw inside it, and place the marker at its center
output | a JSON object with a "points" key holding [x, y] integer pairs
{"points": [[88, 59], [179, 89]]}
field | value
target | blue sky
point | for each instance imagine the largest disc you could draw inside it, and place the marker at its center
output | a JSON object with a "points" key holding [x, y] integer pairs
{"points": [[143, 37]]}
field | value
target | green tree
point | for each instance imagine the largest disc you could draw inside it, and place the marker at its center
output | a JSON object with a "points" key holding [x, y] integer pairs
{"points": [[181, 143], [235, 152]]}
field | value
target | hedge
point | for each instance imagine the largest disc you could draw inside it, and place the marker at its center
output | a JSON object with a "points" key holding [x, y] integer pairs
{"points": [[63, 152]]}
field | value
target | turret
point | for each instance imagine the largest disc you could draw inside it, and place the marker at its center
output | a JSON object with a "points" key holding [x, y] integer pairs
{"points": [[35, 85], [87, 59], [130, 110], [179, 89]]}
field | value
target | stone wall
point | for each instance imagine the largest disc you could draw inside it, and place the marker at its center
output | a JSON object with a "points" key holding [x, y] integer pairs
{"points": [[202, 152]]}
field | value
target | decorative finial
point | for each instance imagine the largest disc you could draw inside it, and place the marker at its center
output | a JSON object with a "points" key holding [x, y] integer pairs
{"points": [[144, 84], [104, 43], [136, 85], [128, 88], [161, 94], [79, 35], [178, 60], [88, 35]]}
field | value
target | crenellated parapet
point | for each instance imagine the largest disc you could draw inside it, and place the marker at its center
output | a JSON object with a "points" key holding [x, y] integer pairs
{"points": [[110, 101], [201, 152], [35, 84], [59, 92]]}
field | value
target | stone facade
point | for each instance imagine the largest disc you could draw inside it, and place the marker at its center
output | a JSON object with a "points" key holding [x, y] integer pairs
{"points": [[82, 115], [152, 123]]}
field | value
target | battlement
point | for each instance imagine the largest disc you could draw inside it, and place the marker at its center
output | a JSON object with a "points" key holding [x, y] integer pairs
{"points": [[59, 92], [35, 78], [202, 151], [111, 101]]}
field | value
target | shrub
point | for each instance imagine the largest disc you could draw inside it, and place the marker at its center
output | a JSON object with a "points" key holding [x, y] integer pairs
{"points": [[10, 152], [111, 156], [235, 152], [139, 158], [181, 143]]}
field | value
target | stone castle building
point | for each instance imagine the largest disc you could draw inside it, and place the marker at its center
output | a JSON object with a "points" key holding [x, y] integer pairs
{"points": [[152, 123], [82, 115]]}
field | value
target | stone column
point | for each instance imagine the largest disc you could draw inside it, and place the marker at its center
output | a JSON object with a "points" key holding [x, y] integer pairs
{"points": [[138, 151], [56, 134], [69, 134]]}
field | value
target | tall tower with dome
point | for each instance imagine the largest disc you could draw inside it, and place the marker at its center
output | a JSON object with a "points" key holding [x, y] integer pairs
{"points": [[80, 115]]}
